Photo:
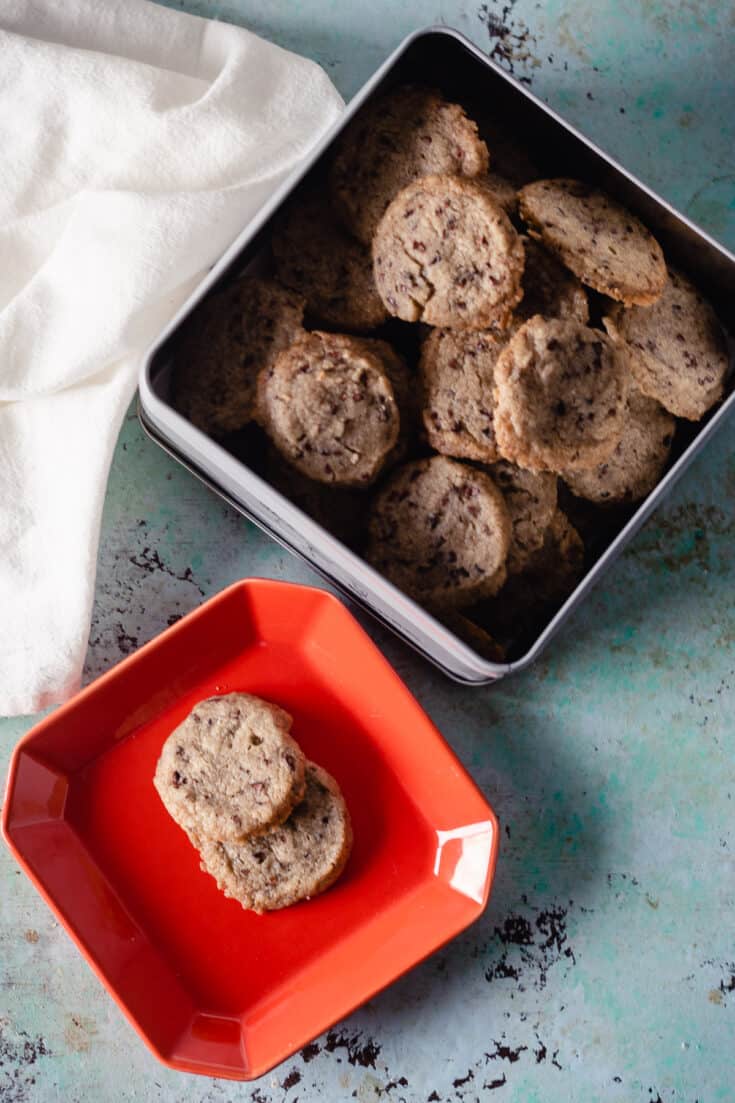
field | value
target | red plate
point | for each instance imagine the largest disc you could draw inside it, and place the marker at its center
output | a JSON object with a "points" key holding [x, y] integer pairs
{"points": [[210, 987]]}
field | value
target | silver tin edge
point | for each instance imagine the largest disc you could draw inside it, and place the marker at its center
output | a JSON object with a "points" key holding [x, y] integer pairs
{"points": [[299, 533]]}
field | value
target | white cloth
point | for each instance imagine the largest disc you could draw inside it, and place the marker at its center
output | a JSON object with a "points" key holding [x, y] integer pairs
{"points": [[135, 142]]}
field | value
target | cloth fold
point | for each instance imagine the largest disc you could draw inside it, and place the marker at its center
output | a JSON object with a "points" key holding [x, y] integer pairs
{"points": [[137, 142]]}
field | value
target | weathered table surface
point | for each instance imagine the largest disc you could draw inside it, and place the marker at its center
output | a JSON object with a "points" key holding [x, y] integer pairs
{"points": [[604, 967]]}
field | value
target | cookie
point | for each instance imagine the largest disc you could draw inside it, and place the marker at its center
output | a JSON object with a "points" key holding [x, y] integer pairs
{"points": [[440, 531], [407, 393], [603, 243], [339, 509], [678, 349], [550, 575], [294, 861], [531, 499], [457, 374], [222, 347], [230, 769], [408, 133], [560, 396], [446, 253], [636, 465], [332, 270], [549, 288], [328, 406]]}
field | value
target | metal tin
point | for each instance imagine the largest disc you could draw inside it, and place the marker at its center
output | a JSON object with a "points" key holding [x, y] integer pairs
{"points": [[445, 59]]}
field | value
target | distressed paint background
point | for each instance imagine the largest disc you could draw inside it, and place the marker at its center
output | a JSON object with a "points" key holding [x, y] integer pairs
{"points": [[604, 968]]}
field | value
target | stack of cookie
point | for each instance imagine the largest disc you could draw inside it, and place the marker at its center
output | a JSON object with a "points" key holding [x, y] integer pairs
{"points": [[270, 826], [428, 341]]}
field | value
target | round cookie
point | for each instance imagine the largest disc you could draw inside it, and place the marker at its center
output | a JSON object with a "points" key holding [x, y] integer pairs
{"points": [[223, 346], [230, 769], [603, 243], [406, 392], [636, 465], [550, 575], [560, 396], [678, 349], [457, 374], [328, 406], [291, 862], [531, 500], [341, 510], [445, 253], [549, 288], [440, 531], [408, 133], [334, 272]]}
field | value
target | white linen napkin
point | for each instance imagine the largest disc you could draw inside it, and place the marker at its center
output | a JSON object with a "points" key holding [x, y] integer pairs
{"points": [[135, 144]]}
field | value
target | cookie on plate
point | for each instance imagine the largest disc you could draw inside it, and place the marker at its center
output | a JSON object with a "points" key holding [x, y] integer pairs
{"points": [[549, 288], [603, 243], [445, 253], [223, 346], [440, 531], [457, 374], [678, 349], [328, 406], [560, 396], [230, 769], [407, 133], [636, 465], [531, 498], [294, 861], [332, 270]]}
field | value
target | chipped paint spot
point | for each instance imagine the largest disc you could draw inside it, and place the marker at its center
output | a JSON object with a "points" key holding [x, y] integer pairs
{"points": [[30, 935], [79, 1032]]}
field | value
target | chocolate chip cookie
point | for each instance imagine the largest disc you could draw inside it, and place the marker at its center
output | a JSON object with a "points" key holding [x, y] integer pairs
{"points": [[440, 531], [531, 499], [560, 396], [294, 861], [332, 270], [222, 347], [603, 243], [636, 465], [407, 133], [678, 350], [457, 373], [445, 253], [329, 407], [230, 769]]}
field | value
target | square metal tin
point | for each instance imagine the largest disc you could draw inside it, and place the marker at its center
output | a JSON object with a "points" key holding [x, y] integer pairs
{"points": [[445, 59]]}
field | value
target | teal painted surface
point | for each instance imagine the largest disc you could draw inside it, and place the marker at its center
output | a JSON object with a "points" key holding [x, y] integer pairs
{"points": [[604, 968]]}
